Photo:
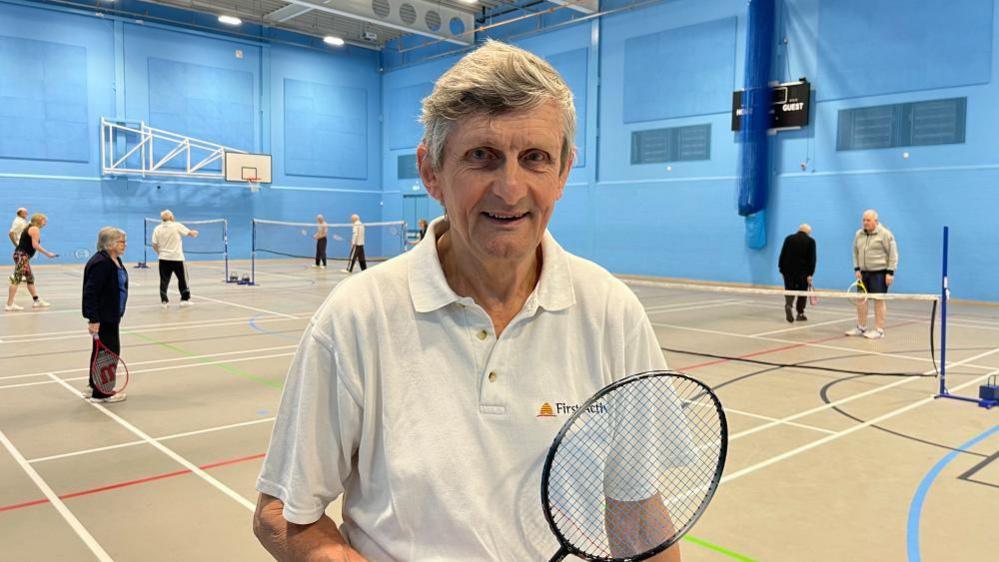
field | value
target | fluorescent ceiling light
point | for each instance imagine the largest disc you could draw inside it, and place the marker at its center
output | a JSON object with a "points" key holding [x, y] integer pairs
{"points": [[335, 41], [230, 20]]}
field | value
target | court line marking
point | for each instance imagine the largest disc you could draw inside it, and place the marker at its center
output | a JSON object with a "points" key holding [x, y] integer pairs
{"points": [[162, 438], [796, 328], [247, 307], [805, 344], [866, 393], [156, 369], [164, 327], [684, 305], [777, 421], [153, 361], [916, 507], [163, 448], [57, 503], [794, 452]]}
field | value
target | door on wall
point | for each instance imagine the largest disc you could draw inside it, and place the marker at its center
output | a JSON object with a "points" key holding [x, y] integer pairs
{"points": [[415, 207]]}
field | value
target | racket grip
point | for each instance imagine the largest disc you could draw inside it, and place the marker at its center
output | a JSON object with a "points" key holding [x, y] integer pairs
{"points": [[560, 555], [96, 336]]}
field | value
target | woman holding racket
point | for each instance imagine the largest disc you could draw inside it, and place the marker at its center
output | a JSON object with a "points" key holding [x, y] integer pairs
{"points": [[105, 291], [29, 242], [429, 391]]}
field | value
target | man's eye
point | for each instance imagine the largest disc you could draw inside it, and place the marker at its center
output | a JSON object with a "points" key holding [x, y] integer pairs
{"points": [[536, 156], [479, 154]]}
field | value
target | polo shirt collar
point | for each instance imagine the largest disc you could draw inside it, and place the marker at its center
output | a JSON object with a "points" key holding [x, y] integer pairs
{"points": [[430, 291]]}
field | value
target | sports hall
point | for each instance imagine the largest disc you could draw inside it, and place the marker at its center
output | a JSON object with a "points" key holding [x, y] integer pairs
{"points": [[249, 118]]}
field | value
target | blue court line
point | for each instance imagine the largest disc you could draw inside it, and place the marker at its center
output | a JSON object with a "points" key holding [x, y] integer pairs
{"points": [[253, 325], [916, 508]]}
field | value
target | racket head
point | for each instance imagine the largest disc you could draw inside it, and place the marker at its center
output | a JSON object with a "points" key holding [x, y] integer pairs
{"points": [[858, 292], [813, 297], [107, 371], [655, 441]]}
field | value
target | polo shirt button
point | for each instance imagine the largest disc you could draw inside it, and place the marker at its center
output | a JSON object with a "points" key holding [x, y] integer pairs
{"points": [[492, 376], [482, 334]]}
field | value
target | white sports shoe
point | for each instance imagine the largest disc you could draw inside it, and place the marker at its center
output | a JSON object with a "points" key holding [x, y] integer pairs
{"points": [[856, 331], [12, 307], [41, 303], [874, 334], [186, 303]]}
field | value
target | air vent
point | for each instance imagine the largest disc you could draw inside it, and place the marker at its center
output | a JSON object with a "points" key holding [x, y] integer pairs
{"points": [[407, 13], [381, 8]]}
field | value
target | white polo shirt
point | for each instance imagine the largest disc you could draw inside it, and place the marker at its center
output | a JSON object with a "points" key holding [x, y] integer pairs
{"points": [[357, 237], [17, 227], [167, 237], [401, 397]]}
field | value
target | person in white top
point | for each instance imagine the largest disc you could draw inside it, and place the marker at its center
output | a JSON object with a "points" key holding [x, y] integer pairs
{"points": [[357, 245], [428, 391], [320, 237], [18, 226], [169, 246]]}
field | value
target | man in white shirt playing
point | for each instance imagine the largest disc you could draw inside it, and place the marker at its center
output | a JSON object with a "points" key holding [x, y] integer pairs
{"points": [[18, 226], [416, 389], [357, 245], [169, 246]]}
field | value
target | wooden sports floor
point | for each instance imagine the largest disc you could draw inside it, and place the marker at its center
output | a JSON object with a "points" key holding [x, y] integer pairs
{"points": [[822, 465]]}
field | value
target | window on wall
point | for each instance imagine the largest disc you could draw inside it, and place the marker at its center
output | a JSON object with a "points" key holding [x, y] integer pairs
{"points": [[406, 167], [672, 144], [919, 123]]}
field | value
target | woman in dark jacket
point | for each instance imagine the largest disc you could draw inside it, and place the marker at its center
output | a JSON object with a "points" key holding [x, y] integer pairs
{"points": [[105, 290]]}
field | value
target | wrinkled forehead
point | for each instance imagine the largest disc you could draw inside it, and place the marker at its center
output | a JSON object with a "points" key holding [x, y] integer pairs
{"points": [[536, 127]]}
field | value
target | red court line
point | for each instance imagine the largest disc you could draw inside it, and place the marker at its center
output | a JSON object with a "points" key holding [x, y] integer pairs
{"points": [[131, 482], [776, 349]]}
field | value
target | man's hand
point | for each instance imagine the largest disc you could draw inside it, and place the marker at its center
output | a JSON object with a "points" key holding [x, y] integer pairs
{"points": [[193, 234], [889, 278], [51, 254], [808, 279], [316, 542], [858, 275], [93, 327]]}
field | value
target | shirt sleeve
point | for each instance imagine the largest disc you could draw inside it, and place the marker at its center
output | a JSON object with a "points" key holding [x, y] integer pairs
{"points": [[892, 254], [183, 230], [315, 434]]}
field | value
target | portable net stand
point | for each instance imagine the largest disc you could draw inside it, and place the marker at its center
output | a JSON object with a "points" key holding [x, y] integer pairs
{"points": [[213, 239], [382, 241], [988, 393]]}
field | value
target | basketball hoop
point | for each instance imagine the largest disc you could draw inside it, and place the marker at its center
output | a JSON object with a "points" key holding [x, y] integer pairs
{"points": [[253, 184]]}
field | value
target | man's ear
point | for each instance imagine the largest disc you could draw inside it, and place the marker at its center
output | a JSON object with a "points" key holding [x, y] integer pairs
{"points": [[427, 173], [564, 175]]}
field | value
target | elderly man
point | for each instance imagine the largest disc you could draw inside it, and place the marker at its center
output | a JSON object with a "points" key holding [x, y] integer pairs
{"points": [[169, 246], [356, 245], [797, 265], [18, 225], [416, 389], [875, 259]]}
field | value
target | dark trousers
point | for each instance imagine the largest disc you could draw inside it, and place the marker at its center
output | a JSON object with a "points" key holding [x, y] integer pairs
{"points": [[321, 251], [168, 267], [108, 333], [796, 283], [357, 254]]}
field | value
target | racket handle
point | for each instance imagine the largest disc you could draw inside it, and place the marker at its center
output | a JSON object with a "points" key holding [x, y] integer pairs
{"points": [[560, 555], [96, 336]]}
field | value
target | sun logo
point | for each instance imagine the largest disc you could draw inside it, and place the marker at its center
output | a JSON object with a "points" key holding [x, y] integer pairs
{"points": [[546, 411]]}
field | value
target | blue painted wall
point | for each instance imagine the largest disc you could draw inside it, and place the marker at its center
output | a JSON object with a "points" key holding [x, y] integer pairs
{"points": [[69, 69], [676, 63]]}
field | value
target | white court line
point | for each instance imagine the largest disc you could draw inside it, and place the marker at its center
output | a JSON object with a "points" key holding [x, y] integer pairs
{"points": [[806, 344], [57, 503], [710, 302], [25, 314], [804, 327], [775, 420], [794, 452], [154, 361], [163, 438], [170, 368], [165, 327], [163, 448], [698, 306], [245, 306], [852, 398]]}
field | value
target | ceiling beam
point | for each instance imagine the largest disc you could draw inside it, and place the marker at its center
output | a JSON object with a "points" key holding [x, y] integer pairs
{"points": [[362, 11]]}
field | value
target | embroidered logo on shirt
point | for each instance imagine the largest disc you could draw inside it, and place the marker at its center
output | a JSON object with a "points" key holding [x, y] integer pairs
{"points": [[563, 409]]}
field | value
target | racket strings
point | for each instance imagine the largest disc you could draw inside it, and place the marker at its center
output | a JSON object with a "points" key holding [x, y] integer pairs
{"points": [[647, 458], [105, 371]]}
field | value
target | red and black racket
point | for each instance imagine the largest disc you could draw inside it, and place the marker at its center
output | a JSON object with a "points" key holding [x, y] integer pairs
{"points": [[108, 372]]}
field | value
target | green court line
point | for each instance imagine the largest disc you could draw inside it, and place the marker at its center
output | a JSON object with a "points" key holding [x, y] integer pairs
{"points": [[718, 549], [225, 367]]}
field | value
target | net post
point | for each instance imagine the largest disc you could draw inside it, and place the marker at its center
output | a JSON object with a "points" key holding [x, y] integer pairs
{"points": [[944, 294], [253, 252], [225, 246], [144, 264]]}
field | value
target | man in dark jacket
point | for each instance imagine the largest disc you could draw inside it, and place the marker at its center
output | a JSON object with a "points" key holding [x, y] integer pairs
{"points": [[797, 265], [105, 291]]}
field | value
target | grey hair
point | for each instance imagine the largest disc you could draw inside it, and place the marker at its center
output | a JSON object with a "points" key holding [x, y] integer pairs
{"points": [[166, 215], [494, 79], [108, 236]]}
